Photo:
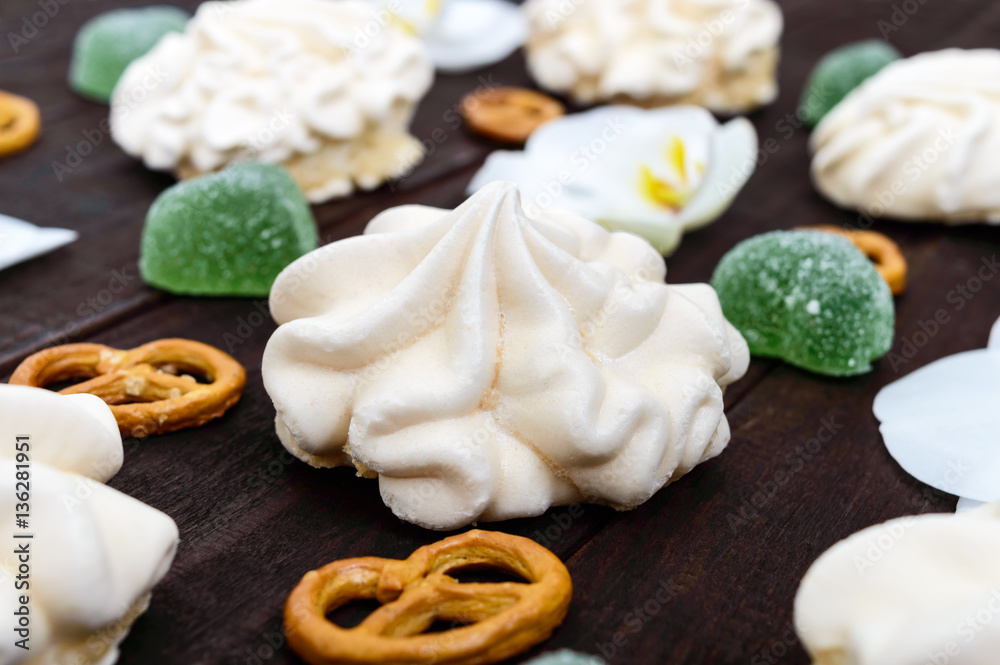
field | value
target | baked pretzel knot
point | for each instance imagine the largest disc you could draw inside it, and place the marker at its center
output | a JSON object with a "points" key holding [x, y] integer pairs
{"points": [[20, 123], [882, 251], [504, 619], [149, 388]]}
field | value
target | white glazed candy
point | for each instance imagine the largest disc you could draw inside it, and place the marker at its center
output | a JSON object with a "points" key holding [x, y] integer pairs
{"points": [[323, 88], [912, 591], [721, 54], [917, 141], [486, 366], [95, 554]]}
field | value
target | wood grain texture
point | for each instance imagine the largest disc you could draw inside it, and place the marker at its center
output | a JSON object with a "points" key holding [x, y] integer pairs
{"points": [[705, 572]]}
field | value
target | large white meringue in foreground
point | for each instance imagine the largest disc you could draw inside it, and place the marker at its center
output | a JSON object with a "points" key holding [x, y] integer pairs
{"points": [[915, 590], [720, 54], [917, 141], [95, 554], [323, 88], [486, 366]]}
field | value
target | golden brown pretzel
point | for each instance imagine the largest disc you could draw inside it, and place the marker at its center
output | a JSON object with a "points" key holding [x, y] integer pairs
{"points": [[882, 251], [142, 385], [505, 618], [20, 123], [509, 115]]}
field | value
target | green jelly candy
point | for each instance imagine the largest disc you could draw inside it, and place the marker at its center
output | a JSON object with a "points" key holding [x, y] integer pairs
{"points": [[839, 72], [565, 657], [107, 44], [810, 298], [227, 233]]}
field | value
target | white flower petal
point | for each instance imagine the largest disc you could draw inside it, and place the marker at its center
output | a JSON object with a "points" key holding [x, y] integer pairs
{"points": [[968, 504], [593, 163], [20, 241], [733, 160], [470, 34], [941, 424]]}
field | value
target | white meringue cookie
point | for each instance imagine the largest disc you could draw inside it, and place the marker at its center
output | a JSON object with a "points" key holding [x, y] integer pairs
{"points": [[95, 554], [326, 89], [486, 366], [721, 54], [917, 141], [75, 433], [912, 591]]}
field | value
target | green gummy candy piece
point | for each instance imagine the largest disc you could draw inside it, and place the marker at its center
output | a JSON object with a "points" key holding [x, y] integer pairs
{"points": [[227, 233], [810, 298], [108, 43], [839, 72], [565, 657]]}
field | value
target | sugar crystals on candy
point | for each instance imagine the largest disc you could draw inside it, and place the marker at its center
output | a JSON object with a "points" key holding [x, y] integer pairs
{"points": [[810, 298], [228, 233]]}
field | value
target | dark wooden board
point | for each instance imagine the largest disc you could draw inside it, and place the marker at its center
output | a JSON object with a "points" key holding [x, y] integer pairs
{"points": [[705, 572]]}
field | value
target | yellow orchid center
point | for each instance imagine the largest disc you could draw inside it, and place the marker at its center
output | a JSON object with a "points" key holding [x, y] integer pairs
{"points": [[673, 192]]}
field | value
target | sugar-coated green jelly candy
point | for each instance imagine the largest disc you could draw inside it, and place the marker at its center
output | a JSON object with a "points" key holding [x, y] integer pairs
{"points": [[565, 657], [810, 298], [839, 72], [107, 44], [228, 233]]}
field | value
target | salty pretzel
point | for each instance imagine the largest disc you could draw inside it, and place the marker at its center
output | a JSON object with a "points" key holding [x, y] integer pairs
{"points": [[142, 385], [509, 115], [504, 619], [882, 251], [20, 123]]}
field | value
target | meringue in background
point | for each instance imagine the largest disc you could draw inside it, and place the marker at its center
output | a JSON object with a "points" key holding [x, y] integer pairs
{"points": [[486, 366], [912, 591], [720, 54], [657, 173], [96, 553], [917, 141], [323, 88]]}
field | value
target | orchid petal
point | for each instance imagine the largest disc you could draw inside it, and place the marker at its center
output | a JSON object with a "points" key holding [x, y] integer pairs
{"points": [[632, 169], [942, 426], [20, 241], [470, 34], [968, 504], [732, 162]]}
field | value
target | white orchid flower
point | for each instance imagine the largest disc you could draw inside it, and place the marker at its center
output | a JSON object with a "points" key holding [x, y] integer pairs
{"points": [[941, 423], [656, 173], [461, 35], [20, 241]]}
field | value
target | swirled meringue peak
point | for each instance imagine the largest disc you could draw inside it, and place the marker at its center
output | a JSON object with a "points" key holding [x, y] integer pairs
{"points": [[485, 366], [917, 141], [323, 88], [720, 54]]}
